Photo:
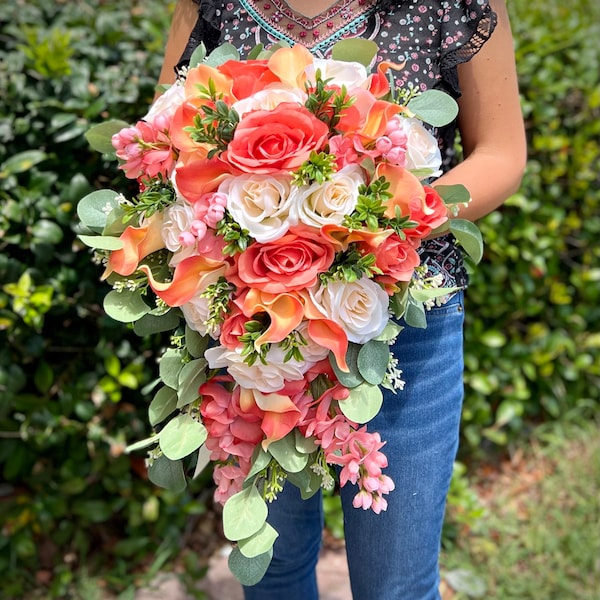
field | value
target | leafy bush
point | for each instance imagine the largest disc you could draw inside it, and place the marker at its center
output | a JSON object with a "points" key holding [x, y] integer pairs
{"points": [[532, 341], [71, 380]]}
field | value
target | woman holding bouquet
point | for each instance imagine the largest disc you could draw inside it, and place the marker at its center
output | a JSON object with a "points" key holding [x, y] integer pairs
{"points": [[463, 47]]}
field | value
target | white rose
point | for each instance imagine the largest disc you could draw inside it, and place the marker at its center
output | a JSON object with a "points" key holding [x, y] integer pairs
{"points": [[265, 378], [268, 98], [261, 204], [328, 202], [195, 311], [360, 307], [167, 103], [350, 74], [178, 219], [422, 150]]}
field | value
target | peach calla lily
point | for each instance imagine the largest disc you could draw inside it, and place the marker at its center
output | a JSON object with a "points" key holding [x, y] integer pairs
{"points": [[188, 278], [342, 237], [289, 64], [404, 187], [138, 242], [284, 310], [200, 177]]}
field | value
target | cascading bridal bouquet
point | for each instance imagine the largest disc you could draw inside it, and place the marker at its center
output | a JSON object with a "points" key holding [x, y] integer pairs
{"points": [[282, 202]]}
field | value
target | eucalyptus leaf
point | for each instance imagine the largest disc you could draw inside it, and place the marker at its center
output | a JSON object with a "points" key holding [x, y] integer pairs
{"points": [[99, 136], [198, 55], [168, 474], [126, 306], [191, 377], [195, 343], [94, 208], [201, 461], [415, 314], [304, 444], [150, 324], [181, 436], [363, 403], [284, 451], [101, 242], [373, 360], [469, 237], [244, 514], [390, 332], [162, 405], [352, 378], [222, 54], [260, 461], [259, 543], [355, 50], [249, 571], [434, 107], [453, 194], [307, 481], [171, 363]]}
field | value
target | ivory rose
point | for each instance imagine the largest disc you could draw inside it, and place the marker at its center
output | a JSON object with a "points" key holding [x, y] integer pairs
{"points": [[341, 73], [360, 307], [269, 377], [261, 204], [328, 202], [267, 141], [268, 99], [422, 150], [292, 262]]}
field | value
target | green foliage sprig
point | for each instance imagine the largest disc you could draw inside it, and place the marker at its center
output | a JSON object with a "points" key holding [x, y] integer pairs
{"points": [[327, 104], [157, 196], [237, 238]]}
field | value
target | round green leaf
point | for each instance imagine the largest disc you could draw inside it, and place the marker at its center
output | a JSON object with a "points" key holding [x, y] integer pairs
{"points": [[352, 378], [191, 377], [126, 306], [373, 360], [94, 208], [171, 363], [162, 405], [99, 136], [434, 107], [249, 571], [150, 324], [355, 50], [167, 474], [469, 237], [284, 451], [363, 403], [101, 242], [244, 514], [195, 343], [181, 436], [259, 543]]}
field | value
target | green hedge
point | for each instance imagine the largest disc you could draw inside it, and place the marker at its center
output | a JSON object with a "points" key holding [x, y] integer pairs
{"points": [[533, 314], [72, 381]]}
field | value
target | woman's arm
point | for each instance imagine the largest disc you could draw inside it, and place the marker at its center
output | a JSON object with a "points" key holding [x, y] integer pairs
{"points": [[491, 123], [182, 24]]}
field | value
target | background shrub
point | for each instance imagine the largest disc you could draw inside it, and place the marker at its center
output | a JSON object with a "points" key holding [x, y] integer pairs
{"points": [[72, 381]]}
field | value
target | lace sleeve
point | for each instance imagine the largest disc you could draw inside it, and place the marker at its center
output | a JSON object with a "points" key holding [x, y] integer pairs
{"points": [[207, 29], [466, 26]]}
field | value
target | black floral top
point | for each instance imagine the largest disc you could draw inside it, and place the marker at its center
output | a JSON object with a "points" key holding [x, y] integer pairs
{"points": [[432, 37]]}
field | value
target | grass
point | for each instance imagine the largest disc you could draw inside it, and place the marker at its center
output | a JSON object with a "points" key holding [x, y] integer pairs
{"points": [[539, 536]]}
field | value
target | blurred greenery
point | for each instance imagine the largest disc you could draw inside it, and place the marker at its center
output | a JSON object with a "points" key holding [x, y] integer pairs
{"points": [[74, 384]]}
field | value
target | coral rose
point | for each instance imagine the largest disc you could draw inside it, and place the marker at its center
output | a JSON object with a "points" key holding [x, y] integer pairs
{"points": [[292, 262], [269, 141], [397, 259], [430, 213]]}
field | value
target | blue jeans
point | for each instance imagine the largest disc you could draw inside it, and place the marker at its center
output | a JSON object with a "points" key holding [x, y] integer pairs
{"points": [[393, 555]]}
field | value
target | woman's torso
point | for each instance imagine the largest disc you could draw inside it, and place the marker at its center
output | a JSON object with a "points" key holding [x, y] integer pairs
{"points": [[431, 38]]}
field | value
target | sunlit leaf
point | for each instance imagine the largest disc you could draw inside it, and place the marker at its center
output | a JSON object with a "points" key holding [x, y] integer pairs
{"points": [[244, 514], [181, 436], [363, 403]]}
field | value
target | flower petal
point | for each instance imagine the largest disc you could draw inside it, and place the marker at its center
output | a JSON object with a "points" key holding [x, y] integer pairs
{"points": [[330, 335]]}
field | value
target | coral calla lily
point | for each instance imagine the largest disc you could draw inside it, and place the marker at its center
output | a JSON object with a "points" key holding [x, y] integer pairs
{"points": [[285, 312], [342, 237], [330, 335], [289, 64], [188, 278], [404, 187], [138, 242], [200, 177]]}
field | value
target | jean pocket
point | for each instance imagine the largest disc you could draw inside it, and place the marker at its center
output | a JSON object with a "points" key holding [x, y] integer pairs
{"points": [[454, 305]]}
